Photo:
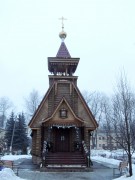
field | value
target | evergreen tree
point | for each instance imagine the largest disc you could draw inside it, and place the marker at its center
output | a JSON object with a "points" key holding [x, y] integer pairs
{"points": [[20, 138], [9, 129], [16, 135]]}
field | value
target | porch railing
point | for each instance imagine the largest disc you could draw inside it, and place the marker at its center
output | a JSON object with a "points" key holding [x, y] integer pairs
{"points": [[86, 154], [44, 153]]}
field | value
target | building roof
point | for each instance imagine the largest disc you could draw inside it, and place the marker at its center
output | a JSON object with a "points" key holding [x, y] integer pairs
{"points": [[45, 99], [63, 51]]}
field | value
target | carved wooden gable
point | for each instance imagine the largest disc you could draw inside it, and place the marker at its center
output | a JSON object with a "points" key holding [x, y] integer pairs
{"points": [[63, 99], [63, 116]]}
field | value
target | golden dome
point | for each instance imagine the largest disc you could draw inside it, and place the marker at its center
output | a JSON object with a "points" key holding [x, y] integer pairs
{"points": [[62, 35]]}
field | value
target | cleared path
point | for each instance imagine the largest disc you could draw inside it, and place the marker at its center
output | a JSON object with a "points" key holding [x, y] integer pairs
{"points": [[97, 175], [100, 172]]}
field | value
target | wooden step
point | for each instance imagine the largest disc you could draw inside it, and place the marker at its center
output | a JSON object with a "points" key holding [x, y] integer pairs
{"points": [[65, 159], [66, 169]]}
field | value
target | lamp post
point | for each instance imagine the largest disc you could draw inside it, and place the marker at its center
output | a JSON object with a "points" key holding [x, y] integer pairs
{"points": [[11, 145]]}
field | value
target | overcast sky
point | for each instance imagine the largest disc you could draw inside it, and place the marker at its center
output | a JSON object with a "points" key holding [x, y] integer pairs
{"points": [[100, 32]]}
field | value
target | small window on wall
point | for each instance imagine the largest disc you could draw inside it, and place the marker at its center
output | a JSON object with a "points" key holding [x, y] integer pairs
{"points": [[103, 145], [63, 113]]}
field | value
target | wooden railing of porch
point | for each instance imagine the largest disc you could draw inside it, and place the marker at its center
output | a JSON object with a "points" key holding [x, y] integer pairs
{"points": [[86, 154]]}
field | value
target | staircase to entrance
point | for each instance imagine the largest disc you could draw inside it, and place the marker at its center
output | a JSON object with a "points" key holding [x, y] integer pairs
{"points": [[66, 161]]}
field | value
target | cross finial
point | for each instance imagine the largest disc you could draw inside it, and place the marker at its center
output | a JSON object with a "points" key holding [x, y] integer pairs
{"points": [[62, 19]]}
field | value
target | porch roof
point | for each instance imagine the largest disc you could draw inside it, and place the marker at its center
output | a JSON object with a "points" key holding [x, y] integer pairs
{"points": [[63, 125]]}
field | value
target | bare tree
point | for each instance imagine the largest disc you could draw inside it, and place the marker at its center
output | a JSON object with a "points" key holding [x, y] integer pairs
{"points": [[32, 102], [107, 122], [5, 105], [95, 101], [124, 118]]}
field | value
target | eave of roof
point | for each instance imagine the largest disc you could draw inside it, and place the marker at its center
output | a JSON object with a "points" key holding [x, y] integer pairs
{"points": [[41, 104]]}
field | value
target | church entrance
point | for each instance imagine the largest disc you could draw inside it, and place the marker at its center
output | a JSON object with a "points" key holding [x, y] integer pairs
{"points": [[62, 140]]}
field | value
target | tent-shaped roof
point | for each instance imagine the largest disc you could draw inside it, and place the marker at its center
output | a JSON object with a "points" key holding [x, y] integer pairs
{"points": [[63, 51]]}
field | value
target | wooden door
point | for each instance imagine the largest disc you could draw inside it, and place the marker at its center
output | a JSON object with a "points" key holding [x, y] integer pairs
{"points": [[62, 140]]}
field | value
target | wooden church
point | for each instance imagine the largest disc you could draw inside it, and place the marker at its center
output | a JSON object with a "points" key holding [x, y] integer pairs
{"points": [[63, 123]]}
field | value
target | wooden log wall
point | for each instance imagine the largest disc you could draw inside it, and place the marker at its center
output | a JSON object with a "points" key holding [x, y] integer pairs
{"points": [[60, 90], [36, 146], [34, 136], [38, 143]]}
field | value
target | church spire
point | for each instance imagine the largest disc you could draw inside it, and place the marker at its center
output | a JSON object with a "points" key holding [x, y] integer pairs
{"points": [[63, 64], [63, 51]]}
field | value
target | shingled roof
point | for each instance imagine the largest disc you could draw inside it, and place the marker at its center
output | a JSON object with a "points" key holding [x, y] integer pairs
{"points": [[63, 51]]}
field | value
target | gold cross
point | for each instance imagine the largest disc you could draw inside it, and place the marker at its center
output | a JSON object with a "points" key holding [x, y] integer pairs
{"points": [[62, 19]]}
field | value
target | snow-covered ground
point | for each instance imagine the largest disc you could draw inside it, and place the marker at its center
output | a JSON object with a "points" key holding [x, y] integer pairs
{"points": [[8, 174], [15, 157], [97, 155]]}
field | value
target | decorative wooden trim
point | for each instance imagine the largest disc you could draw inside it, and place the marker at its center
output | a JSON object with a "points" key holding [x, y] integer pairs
{"points": [[35, 128], [63, 99], [70, 88], [55, 88]]}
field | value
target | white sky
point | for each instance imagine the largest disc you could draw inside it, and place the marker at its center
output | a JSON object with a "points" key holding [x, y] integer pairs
{"points": [[100, 32]]}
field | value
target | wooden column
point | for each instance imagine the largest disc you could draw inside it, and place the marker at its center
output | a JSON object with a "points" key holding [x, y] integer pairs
{"points": [[34, 136], [38, 143], [36, 146], [87, 137]]}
